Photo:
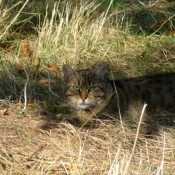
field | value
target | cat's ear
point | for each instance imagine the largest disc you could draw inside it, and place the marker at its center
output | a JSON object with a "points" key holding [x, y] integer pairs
{"points": [[100, 72], [68, 71]]}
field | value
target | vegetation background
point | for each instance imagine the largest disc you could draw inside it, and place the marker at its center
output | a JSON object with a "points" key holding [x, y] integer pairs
{"points": [[36, 38]]}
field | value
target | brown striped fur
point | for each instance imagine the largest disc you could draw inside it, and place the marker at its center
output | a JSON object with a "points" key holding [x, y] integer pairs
{"points": [[91, 93]]}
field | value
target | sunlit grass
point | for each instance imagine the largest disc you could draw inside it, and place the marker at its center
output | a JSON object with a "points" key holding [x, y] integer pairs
{"points": [[81, 34]]}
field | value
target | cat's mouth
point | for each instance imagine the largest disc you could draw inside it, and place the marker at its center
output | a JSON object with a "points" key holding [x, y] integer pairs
{"points": [[86, 105]]}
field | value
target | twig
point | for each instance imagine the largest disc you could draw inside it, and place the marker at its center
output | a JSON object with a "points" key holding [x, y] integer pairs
{"points": [[35, 152], [14, 19], [160, 169], [136, 138], [118, 103], [25, 91]]}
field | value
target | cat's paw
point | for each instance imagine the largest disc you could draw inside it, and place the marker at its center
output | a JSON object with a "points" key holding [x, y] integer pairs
{"points": [[62, 116], [74, 120]]}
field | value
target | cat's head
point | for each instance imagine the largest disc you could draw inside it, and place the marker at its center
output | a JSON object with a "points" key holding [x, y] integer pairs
{"points": [[85, 88]]}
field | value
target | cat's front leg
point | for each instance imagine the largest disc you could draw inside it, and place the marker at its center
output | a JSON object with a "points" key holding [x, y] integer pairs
{"points": [[77, 117]]}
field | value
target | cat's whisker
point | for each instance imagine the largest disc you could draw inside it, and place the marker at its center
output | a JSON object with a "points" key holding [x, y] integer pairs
{"points": [[72, 102]]}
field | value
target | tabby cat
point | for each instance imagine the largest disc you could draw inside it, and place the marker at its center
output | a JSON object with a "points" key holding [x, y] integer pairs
{"points": [[91, 93]]}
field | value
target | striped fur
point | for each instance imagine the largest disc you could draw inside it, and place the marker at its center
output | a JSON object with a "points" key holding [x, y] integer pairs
{"points": [[91, 93]]}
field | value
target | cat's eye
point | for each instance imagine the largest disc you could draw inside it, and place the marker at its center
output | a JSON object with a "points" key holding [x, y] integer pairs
{"points": [[92, 88], [76, 88]]}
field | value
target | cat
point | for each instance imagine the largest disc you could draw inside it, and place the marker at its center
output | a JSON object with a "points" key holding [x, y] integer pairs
{"points": [[91, 93]]}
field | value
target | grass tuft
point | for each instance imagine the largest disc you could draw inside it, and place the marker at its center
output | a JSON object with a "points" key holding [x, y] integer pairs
{"points": [[36, 39]]}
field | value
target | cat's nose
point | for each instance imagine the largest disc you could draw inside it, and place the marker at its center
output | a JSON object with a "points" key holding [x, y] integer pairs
{"points": [[83, 96], [83, 99]]}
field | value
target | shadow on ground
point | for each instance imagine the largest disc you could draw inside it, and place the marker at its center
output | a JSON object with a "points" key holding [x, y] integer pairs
{"points": [[44, 100]]}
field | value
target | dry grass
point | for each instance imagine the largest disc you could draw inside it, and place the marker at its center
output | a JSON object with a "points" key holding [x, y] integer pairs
{"points": [[33, 140], [27, 148]]}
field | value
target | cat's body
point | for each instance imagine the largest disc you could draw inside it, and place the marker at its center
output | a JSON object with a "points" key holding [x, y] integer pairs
{"points": [[91, 93]]}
